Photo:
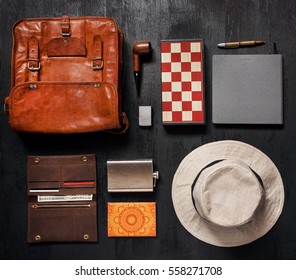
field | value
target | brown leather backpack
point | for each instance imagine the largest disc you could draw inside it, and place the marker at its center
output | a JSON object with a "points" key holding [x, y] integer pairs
{"points": [[66, 75]]}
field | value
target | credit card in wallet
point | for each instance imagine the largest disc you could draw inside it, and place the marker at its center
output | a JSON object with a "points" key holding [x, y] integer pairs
{"points": [[43, 190], [73, 184]]}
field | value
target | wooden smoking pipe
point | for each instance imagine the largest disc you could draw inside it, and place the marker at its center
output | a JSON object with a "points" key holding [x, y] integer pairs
{"points": [[139, 48]]}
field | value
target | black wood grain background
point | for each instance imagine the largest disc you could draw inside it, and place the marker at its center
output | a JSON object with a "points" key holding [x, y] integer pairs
{"points": [[212, 20]]}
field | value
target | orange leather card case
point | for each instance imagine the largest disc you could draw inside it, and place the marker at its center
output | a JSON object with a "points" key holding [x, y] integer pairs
{"points": [[131, 219], [66, 75]]}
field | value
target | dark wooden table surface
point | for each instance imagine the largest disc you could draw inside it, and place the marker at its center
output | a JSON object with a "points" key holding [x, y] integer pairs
{"points": [[212, 20]]}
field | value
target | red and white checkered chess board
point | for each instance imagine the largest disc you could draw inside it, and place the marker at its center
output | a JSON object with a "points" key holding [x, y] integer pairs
{"points": [[182, 82]]}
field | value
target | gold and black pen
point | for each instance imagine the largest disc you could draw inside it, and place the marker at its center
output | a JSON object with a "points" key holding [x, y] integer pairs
{"points": [[230, 45]]}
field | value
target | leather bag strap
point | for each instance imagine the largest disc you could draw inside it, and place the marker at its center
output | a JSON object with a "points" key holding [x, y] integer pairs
{"points": [[33, 59], [97, 60], [65, 26]]}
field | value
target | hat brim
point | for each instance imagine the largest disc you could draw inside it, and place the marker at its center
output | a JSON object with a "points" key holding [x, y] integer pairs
{"points": [[262, 221]]}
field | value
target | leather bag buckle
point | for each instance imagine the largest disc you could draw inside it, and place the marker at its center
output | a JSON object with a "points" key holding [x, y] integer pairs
{"points": [[33, 68], [98, 67], [66, 34], [65, 25], [6, 108]]}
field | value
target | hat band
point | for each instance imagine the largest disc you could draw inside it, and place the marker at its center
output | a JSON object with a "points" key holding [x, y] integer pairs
{"points": [[194, 184]]}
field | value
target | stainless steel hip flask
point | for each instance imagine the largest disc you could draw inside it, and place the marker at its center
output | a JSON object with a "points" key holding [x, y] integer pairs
{"points": [[131, 176]]}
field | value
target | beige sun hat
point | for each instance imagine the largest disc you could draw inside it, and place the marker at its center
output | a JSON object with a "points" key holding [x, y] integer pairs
{"points": [[227, 193]]}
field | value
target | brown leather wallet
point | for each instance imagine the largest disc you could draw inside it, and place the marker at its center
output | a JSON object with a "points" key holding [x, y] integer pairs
{"points": [[62, 203]]}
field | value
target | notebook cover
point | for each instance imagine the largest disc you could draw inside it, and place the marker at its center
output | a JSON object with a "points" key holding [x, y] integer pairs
{"points": [[247, 89], [131, 219], [182, 82]]}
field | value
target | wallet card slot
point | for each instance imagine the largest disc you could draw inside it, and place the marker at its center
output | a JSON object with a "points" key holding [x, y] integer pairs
{"points": [[44, 185], [36, 188], [78, 173], [63, 191], [63, 188], [44, 173]]}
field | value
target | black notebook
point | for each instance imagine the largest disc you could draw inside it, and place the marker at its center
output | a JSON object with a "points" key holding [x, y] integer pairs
{"points": [[247, 89]]}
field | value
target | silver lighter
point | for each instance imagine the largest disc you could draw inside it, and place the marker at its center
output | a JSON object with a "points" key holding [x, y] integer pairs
{"points": [[131, 176]]}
